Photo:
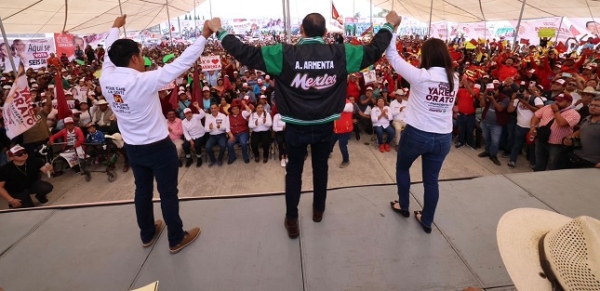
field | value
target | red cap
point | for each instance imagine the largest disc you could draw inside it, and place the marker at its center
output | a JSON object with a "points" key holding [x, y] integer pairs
{"points": [[564, 97]]}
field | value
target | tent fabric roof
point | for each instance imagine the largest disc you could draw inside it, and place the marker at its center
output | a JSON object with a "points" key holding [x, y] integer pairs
{"points": [[490, 10], [87, 16]]}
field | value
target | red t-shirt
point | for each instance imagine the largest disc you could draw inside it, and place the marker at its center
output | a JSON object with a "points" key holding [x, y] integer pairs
{"points": [[464, 101], [352, 91]]}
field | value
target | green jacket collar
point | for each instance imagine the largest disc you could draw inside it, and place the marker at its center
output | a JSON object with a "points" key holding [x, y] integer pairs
{"points": [[310, 40]]}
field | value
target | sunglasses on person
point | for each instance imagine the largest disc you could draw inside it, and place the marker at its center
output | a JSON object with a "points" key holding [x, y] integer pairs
{"points": [[20, 154]]}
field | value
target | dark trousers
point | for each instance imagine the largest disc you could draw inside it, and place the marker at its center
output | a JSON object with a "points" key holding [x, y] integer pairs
{"points": [[156, 161], [549, 156], [343, 138], [280, 138], [466, 126], [507, 140], [297, 139], [264, 139], [520, 136], [220, 139], [198, 144], [366, 124], [39, 188]]}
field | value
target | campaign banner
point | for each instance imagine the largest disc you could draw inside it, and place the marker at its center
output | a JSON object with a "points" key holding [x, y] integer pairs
{"points": [[211, 63], [18, 112], [545, 27], [582, 28], [66, 44], [70, 104], [33, 53], [370, 77], [474, 30]]}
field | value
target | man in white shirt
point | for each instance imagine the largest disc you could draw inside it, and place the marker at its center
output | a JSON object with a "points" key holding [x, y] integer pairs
{"points": [[397, 106], [217, 125], [133, 96], [194, 133]]}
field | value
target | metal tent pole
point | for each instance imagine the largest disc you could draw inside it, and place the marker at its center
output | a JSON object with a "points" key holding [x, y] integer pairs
{"points": [[371, 15], [559, 27], [169, 22], [393, 4], [10, 57], [288, 22], [121, 10], [210, 8], [195, 20], [519, 24], [430, 17], [285, 31]]}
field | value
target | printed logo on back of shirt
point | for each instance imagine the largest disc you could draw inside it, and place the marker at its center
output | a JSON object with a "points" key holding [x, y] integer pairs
{"points": [[303, 81]]}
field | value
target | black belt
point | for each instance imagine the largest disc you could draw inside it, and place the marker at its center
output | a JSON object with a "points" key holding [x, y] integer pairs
{"points": [[150, 144]]}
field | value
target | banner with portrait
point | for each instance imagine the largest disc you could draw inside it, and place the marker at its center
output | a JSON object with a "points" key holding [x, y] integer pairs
{"points": [[18, 112], [66, 44], [35, 52]]}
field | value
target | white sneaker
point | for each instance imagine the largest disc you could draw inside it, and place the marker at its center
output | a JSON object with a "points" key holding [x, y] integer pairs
{"points": [[283, 163]]}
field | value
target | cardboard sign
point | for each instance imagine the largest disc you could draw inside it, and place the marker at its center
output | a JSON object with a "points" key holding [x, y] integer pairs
{"points": [[370, 77], [211, 63], [546, 32]]}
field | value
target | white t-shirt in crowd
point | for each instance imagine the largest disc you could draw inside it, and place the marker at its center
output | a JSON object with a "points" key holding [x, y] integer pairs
{"points": [[263, 124], [279, 124], [430, 104], [524, 115], [193, 128], [397, 111], [385, 120], [221, 120], [133, 95]]}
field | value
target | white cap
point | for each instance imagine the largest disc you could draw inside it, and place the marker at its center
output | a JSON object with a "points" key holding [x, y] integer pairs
{"points": [[531, 71], [205, 88], [63, 70], [260, 81], [245, 85], [495, 82], [477, 86], [32, 80], [369, 88], [34, 86], [400, 92], [51, 86], [181, 92], [68, 92], [6, 87], [68, 77], [92, 93], [42, 94], [263, 97], [246, 97], [16, 149], [102, 102], [489, 86], [263, 88], [187, 110], [378, 67], [560, 81], [68, 120], [267, 77], [82, 80]]}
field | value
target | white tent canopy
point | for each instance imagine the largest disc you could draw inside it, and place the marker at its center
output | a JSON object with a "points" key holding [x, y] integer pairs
{"points": [[87, 16], [489, 10]]}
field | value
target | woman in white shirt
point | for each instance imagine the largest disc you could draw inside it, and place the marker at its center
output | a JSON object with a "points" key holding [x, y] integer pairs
{"points": [[381, 116], [86, 116], [279, 129], [428, 133], [260, 122]]}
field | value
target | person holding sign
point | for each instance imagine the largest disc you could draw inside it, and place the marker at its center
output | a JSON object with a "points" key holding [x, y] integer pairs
{"points": [[133, 96], [428, 132]]}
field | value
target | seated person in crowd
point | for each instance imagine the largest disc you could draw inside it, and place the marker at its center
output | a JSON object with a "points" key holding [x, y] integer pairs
{"points": [[397, 108], [217, 125], [366, 103], [381, 116], [175, 132], [239, 112], [103, 117], [20, 178], [194, 133], [260, 122], [71, 135]]}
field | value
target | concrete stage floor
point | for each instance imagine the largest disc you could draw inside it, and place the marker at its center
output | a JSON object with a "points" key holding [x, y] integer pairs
{"points": [[361, 244]]}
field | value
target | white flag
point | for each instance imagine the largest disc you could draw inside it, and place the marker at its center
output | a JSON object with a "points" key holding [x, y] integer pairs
{"points": [[18, 112]]}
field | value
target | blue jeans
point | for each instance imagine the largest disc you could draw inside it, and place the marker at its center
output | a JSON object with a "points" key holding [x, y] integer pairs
{"points": [[297, 139], [379, 131], [242, 139], [507, 140], [466, 126], [220, 139], [520, 136], [433, 148], [156, 161], [343, 138], [491, 133]]}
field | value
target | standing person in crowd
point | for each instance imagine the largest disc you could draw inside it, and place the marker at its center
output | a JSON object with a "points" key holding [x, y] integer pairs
{"points": [[525, 105], [194, 133], [20, 178], [381, 116], [342, 129], [585, 141], [279, 129], [238, 123], [260, 122], [308, 108], [217, 125], [428, 132], [176, 133], [133, 94], [494, 116], [555, 121], [466, 99], [398, 108]]}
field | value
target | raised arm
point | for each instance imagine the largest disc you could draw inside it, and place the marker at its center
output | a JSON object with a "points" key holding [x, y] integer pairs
{"points": [[403, 68], [359, 57], [113, 35]]}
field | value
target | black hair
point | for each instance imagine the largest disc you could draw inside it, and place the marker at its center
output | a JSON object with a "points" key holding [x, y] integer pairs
{"points": [[314, 25], [434, 53], [589, 22], [122, 50]]}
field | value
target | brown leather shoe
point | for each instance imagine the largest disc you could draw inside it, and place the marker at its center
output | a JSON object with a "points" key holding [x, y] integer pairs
{"points": [[189, 237], [160, 225], [292, 227], [317, 215]]}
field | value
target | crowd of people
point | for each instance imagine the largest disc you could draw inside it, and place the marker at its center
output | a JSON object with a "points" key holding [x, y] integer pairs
{"points": [[533, 97]]}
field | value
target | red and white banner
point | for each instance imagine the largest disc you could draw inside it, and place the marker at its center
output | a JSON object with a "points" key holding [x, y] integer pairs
{"points": [[211, 63], [18, 112], [66, 43], [582, 28], [529, 29], [34, 53]]}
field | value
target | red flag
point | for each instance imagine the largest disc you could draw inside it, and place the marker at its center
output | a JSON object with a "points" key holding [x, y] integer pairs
{"points": [[334, 12], [61, 99], [524, 41], [369, 30], [174, 99], [197, 91], [561, 48]]}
